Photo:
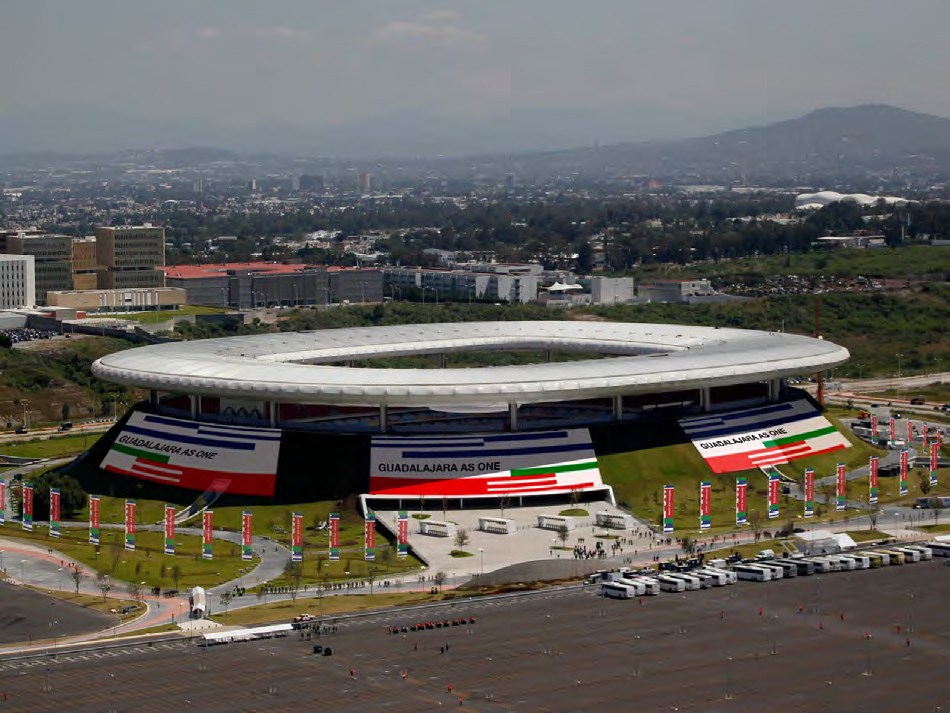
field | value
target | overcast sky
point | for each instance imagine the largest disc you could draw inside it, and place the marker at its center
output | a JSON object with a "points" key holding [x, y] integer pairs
{"points": [[326, 62]]}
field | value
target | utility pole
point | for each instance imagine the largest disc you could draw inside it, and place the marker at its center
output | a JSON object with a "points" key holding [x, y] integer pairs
{"points": [[821, 384]]}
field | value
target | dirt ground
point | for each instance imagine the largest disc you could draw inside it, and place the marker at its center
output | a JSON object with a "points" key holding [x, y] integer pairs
{"points": [[852, 641]]}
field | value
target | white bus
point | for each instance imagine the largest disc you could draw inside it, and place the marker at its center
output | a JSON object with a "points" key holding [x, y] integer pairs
{"points": [[752, 572], [615, 590], [803, 567], [925, 552], [778, 571], [639, 587], [671, 584], [789, 569], [652, 586], [845, 564], [882, 558], [718, 578], [910, 554], [897, 557], [861, 561], [822, 566], [729, 574], [692, 583], [939, 549]]}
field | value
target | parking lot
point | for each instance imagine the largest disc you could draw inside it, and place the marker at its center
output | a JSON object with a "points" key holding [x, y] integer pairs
{"points": [[862, 640]]}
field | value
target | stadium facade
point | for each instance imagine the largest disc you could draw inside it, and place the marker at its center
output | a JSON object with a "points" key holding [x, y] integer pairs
{"points": [[311, 415]]}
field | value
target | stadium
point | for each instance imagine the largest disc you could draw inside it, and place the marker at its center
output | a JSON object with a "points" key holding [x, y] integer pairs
{"points": [[293, 417]]}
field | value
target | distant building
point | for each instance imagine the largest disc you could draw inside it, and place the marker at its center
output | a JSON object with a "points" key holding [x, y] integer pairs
{"points": [[85, 264], [130, 257], [611, 290], [366, 182], [675, 290], [311, 183], [127, 299], [53, 257], [17, 282], [506, 283]]}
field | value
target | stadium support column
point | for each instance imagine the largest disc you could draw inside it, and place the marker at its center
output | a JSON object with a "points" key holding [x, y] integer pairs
{"points": [[547, 356], [618, 407], [194, 402], [383, 418], [775, 388], [442, 360], [704, 399], [513, 416], [273, 411], [153, 397]]}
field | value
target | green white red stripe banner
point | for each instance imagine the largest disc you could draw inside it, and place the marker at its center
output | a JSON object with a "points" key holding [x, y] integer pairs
{"points": [[54, 510], [934, 462], [668, 494], [774, 490], [809, 492], [130, 524], [27, 506], [841, 487], [369, 538], [207, 534], [892, 428], [296, 537], [761, 437], [904, 467], [742, 489], [334, 536], [872, 480], [169, 529], [874, 425], [247, 536], [94, 531]]}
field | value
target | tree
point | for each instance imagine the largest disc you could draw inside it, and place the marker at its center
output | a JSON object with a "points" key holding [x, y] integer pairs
{"points": [[72, 498], [439, 579], [294, 574], [226, 601], [64, 411], [176, 574], [134, 590], [77, 575], [755, 522], [924, 479], [871, 510], [102, 582], [562, 534], [461, 538], [371, 578], [686, 542], [936, 505]]}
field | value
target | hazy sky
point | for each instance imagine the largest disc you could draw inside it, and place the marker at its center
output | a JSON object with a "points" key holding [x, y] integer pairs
{"points": [[323, 62]]}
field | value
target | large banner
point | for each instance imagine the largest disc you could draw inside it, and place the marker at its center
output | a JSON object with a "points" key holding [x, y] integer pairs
{"points": [[742, 487], [934, 462], [3, 500], [196, 455], [54, 510], [130, 524], [874, 425], [774, 491], [872, 480], [169, 529], [94, 530], [296, 537], [470, 466], [841, 487], [904, 467], [369, 538], [892, 428], [402, 534], [809, 492], [27, 506], [207, 534], [770, 435], [668, 493], [705, 505], [910, 433], [334, 536], [247, 536], [924, 435]]}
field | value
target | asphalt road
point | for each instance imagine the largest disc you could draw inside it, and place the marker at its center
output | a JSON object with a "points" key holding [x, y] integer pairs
{"points": [[850, 641]]}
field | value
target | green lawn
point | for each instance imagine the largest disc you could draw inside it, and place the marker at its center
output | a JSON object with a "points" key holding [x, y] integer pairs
{"points": [[860, 536], [53, 447], [146, 563], [165, 315]]}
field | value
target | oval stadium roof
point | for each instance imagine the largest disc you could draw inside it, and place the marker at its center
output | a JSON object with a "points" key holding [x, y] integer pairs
{"points": [[300, 367]]}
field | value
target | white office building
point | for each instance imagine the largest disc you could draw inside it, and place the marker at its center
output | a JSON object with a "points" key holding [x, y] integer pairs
{"points": [[17, 281]]}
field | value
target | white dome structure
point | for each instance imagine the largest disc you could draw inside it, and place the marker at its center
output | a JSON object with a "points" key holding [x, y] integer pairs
{"points": [[814, 201]]}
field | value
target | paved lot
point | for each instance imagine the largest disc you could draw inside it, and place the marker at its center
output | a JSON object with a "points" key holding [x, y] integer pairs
{"points": [[789, 646], [26, 614]]}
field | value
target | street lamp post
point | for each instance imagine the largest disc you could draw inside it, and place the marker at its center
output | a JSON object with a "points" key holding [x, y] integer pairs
{"points": [[22, 573], [899, 370], [481, 557]]}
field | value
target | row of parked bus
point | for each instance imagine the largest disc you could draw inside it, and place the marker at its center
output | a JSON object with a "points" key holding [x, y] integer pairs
{"points": [[626, 583]]}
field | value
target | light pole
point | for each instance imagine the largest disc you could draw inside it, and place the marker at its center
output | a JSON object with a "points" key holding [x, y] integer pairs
{"points": [[22, 574], [1, 555], [899, 357], [481, 557]]}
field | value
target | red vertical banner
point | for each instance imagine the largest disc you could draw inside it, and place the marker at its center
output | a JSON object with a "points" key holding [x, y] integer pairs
{"points": [[924, 434], [94, 502], [742, 487], [130, 524], [809, 492], [874, 425], [841, 486], [54, 508], [3, 500], [27, 506], [910, 432], [402, 534], [904, 467], [774, 492], [169, 529], [705, 505], [334, 536], [247, 535], [207, 534], [892, 425], [369, 537], [296, 537], [668, 504], [872, 481], [934, 462]]}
